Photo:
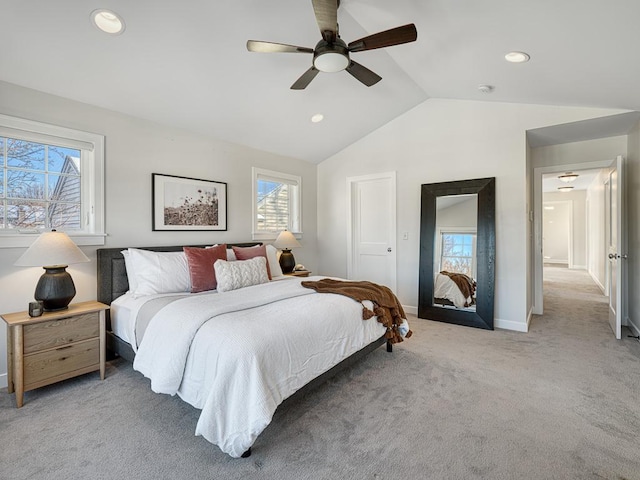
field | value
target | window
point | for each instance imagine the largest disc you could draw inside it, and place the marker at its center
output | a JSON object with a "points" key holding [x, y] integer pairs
{"points": [[276, 203], [458, 252], [50, 178]]}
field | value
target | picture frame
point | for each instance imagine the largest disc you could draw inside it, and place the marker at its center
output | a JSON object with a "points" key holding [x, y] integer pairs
{"points": [[188, 204]]}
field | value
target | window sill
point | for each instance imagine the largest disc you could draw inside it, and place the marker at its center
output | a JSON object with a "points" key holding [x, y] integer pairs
{"points": [[271, 236], [20, 240]]}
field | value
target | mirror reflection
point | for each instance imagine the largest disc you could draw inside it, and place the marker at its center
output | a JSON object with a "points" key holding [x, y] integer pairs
{"points": [[455, 259]]}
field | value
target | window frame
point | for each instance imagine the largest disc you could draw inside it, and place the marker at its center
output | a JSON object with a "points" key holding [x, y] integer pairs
{"points": [[92, 177], [295, 201]]}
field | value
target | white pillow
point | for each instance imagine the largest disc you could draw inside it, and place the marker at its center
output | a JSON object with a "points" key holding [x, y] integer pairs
{"points": [[231, 255], [274, 264], [131, 274], [158, 272], [241, 273]]}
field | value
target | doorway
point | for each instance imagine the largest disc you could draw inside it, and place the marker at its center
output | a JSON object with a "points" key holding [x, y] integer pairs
{"points": [[602, 257], [371, 228]]}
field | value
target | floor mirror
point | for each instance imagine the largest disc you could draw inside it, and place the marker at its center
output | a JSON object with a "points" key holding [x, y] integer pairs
{"points": [[457, 252]]}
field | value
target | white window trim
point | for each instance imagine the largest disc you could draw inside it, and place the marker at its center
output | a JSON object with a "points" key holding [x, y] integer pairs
{"points": [[92, 168], [297, 213]]}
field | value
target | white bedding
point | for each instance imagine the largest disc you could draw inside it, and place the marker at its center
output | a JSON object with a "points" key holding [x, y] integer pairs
{"points": [[446, 288], [237, 355]]}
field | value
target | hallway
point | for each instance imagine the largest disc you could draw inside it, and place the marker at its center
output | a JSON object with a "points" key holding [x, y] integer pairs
{"points": [[574, 304]]}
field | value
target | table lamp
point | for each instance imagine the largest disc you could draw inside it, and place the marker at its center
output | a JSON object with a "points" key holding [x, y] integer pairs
{"points": [[285, 242], [53, 251]]}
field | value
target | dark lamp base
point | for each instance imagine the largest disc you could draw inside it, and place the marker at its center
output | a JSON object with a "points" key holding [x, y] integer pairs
{"points": [[287, 262], [55, 288]]}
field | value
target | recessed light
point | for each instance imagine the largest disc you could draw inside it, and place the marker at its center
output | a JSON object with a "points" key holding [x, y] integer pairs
{"points": [[108, 21], [485, 88], [318, 117], [517, 57]]}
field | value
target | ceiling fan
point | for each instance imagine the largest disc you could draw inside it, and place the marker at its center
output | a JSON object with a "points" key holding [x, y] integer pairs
{"points": [[331, 54]]}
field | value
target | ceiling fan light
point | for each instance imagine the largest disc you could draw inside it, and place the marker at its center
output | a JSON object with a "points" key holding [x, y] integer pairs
{"points": [[568, 177], [331, 62], [565, 189]]}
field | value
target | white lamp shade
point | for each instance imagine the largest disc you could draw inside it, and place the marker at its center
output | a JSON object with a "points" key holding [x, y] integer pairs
{"points": [[51, 248], [286, 240]]}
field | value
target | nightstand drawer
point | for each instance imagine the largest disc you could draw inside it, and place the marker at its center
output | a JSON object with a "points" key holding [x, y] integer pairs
{"points": [[56, 333], [60, 363]]}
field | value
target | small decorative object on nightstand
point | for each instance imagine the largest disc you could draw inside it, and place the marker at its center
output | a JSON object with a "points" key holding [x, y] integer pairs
{"points": [[299, 273], [54, 346]]}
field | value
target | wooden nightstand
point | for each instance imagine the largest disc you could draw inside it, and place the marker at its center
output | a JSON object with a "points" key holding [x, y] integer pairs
{"points": [[299, 273], [55, 346]]}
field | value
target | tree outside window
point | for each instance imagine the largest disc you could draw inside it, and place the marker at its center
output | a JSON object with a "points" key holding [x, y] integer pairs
{"points": [[40, 186], [458, 253]]}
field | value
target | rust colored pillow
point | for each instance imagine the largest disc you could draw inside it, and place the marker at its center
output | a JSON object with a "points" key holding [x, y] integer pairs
{"points": [[247, 253], [201, 260]]}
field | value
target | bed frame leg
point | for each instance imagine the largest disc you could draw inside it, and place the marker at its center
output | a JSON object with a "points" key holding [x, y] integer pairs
{"points": [[246, 454], [389, 346]]}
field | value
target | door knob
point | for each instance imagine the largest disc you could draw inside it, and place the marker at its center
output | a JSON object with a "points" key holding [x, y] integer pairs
{"points": [[612, 256]]}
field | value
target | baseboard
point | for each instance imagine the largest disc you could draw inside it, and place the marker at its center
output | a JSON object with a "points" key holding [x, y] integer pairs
{"points": [[511, 325], [411, 310], [4, 381], [635, 329], [597, 282], [578, 267], [497, 323]]}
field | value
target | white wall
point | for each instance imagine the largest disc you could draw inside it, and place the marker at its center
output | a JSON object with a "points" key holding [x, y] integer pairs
{"points": [[597, 248], [556, 224], [579, 152], [444, 140], [577, 223], [135, 148], [462, 214], [633, 222]]}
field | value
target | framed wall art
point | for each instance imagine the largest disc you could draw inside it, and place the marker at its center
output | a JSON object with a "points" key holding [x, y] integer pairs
{"points": [[187, 204]]}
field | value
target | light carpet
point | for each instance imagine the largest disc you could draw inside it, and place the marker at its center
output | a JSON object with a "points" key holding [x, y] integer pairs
{"points": [[559, 402]]}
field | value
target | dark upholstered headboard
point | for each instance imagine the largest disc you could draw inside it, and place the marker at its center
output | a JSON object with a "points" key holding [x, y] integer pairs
{"points": [[112, 273]]}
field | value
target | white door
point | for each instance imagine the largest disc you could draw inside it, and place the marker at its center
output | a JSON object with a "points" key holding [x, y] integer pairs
{"points": [[371, 249], [617, 248]]}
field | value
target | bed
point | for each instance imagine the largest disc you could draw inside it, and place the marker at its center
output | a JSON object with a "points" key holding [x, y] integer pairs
{"points": [[454, 290], [239, 354]]}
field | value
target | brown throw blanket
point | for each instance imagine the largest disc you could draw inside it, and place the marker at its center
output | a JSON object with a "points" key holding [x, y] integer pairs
{"points": [[465, 283], [385, 303]]}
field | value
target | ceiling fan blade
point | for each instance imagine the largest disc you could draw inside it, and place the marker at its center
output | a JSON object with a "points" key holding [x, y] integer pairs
{"points": [[270, 47], [327, 17], [363, 74], [305, 79], [388, 38]]}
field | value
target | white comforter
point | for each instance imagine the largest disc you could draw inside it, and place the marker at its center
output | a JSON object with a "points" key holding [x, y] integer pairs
{"points": [[446, 288], [237, 355]]}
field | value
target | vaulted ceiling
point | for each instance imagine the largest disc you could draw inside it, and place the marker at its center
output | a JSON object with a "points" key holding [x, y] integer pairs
{"points": [[186, 64]]}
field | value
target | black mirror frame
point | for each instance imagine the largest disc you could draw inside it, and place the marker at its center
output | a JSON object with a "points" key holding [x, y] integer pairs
{"points": [[485, 252]]}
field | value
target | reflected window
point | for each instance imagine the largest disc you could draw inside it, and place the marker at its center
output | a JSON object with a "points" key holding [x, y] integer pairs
{"points": [[458, 253]]}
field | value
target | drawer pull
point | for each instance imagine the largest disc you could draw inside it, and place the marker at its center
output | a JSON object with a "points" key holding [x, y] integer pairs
{"points": [[65, 347]]}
